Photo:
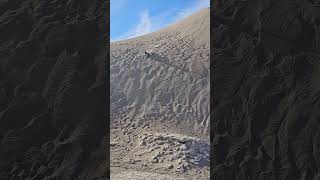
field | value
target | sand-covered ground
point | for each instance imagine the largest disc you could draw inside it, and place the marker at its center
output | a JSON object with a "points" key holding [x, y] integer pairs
{"points": [[160, 103]]}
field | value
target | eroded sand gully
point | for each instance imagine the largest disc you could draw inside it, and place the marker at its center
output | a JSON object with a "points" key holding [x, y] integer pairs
{"points": [[160, 103]]}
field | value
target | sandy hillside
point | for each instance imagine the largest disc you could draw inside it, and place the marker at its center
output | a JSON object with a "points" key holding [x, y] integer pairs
{"points": [[160, 103]]}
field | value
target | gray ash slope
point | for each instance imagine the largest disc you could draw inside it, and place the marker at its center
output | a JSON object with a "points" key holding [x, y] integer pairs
{"points": [[170, 85], [265, 85], [52, 89], [160, 100]]}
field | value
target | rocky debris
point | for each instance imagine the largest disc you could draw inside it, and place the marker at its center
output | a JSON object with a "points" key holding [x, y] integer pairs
{"points": [[178, 152], [113, 144], [170, 166], [155, 159]]}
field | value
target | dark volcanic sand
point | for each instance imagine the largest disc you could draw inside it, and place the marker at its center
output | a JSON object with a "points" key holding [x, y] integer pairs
{"points": [[265, 90], [52, 89]]}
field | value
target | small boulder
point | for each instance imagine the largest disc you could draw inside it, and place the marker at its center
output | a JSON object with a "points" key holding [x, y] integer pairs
{"points": [[170, 166], [155, 160]]}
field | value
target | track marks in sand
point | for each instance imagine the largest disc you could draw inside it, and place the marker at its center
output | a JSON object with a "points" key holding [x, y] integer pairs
{"points": [[166, 92]]}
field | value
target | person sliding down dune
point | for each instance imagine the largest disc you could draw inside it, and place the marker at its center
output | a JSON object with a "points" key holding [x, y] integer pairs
{"points": [[148, 53]]}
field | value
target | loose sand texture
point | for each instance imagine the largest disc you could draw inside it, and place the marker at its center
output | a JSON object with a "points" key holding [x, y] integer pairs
{"points": [[160, 103]]}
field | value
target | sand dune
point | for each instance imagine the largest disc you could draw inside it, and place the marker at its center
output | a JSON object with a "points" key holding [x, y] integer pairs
{"points": [[167, 93]]}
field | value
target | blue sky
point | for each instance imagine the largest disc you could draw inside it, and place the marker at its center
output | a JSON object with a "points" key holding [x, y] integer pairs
{"points": [[132, 18]]}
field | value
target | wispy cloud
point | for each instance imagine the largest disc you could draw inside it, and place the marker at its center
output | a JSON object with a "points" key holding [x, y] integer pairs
{"points": [[147, 23], [144, 26]]}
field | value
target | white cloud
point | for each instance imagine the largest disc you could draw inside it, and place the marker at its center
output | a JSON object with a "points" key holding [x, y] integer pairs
{"points": [[144, 26]]}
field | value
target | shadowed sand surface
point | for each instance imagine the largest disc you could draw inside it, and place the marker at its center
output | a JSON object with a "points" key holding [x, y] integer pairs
{"points": [[160, 103], [52, 90], [266, 91]]}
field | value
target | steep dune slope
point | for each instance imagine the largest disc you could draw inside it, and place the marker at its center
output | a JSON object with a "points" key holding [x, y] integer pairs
{"points": [[166, 92]]}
